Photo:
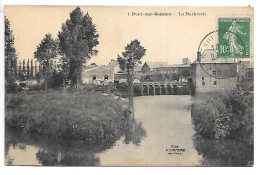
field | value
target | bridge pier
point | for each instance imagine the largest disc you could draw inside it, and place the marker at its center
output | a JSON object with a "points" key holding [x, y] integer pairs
{"points": [[151, 90], [160, 88]]}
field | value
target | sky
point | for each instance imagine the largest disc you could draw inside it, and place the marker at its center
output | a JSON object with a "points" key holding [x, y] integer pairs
{"points": [[165, 38]]}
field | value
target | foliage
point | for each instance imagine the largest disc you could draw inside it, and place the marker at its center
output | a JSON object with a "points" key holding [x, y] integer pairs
{"points": [[35, 87], [223, 152], [10, 59], [137, 90], [78, 38], [11, 87], [228, 115], [129, 59], [123, 88], [56, 80], [68, 116], [131, 56], [38, 76], [45, 53]]}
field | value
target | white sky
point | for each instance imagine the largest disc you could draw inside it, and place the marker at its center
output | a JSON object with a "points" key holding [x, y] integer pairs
{"points": [[165, 38]]}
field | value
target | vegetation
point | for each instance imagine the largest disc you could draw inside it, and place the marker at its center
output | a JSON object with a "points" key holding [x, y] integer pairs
{"points": [[77, 40], [223, 152], [225, 116], [129, 59], [72, 115], [45, 53], [10, 59]]}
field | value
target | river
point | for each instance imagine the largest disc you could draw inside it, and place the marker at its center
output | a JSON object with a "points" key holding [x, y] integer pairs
{"points": [[162, 135]]}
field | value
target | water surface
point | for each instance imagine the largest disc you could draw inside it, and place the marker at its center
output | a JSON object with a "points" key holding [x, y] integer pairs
{"points": [[161, 135]]}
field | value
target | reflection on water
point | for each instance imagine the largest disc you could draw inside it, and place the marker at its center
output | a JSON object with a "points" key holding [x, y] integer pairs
{"points": [[35, 150], [228, 152], [160, 123]]}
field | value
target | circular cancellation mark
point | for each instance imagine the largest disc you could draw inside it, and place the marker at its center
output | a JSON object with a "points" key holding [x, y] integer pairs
{"points": [[209, 51]]}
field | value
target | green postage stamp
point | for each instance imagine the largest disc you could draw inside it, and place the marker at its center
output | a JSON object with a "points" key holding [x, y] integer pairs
{"points": [[234, 37]]}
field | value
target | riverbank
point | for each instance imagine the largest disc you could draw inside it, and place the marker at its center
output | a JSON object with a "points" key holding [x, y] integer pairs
{"points": [[228, 115], [80, 116]]}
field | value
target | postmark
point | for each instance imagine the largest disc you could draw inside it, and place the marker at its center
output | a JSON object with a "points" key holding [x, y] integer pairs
{"points": [[209, 57], [229, 42]]}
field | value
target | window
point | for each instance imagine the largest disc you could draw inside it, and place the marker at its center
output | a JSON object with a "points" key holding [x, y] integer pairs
{"points": [[106, 77], [94, 77], [203, 83], [214, 73], [215, 82], [202, 78]]}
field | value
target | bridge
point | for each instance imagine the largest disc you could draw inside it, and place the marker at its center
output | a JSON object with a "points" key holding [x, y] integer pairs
{"points": [[163, 88]]}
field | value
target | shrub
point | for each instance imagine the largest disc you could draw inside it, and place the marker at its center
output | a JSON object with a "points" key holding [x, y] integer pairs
{"points": [[11, 88], [228, 115], [35, 87], [82, 116]]}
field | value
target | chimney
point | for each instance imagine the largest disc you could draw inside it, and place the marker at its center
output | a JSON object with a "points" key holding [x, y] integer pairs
{"points": [[198, 56]]}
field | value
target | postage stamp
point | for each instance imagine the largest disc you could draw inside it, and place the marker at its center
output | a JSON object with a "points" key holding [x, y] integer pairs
{"points": [[235, 42]]}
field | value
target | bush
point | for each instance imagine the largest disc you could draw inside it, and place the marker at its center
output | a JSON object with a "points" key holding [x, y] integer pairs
{"points": [[82, 116], [229, 115], [22, 84], [123, 88], [11, 88], [35, 87]]}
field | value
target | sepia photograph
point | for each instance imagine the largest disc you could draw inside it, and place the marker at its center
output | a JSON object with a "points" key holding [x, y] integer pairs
{"points": [[163, 86]]}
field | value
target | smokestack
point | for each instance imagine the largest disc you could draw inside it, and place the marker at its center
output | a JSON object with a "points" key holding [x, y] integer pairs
{"points": [[198, 56]]}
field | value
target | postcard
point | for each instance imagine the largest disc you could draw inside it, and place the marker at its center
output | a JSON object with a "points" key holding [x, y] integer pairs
{"points": [[129, 86]]}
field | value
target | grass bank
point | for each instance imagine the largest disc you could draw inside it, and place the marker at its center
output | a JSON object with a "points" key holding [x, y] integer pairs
{"points": [[229, 115], [82, 116]]}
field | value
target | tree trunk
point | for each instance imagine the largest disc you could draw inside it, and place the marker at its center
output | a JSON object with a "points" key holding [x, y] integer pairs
{"points": [[131, 92], [46, 81], [63, 82]]}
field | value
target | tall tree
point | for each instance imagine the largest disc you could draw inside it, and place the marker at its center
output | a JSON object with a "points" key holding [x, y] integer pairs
{"points": [[129, 59], [23, 66], [64, 70], [32, 69], [28, 69], [78, 38], [45, 52], [20, 70], [10, 53]]}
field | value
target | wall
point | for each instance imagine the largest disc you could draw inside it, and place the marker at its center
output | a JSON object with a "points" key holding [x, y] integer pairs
{"points": [[222, 70], [100, 73]]}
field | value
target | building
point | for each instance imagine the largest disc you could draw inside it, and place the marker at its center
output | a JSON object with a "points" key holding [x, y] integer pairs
{"points": [[113, 66], [185, 61], [213, 76], [97, 75], [245, 75], [121, 76], [148, 67]]}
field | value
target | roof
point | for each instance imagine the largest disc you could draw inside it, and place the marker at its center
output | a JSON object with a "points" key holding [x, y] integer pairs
{"points": [[138, 68], [156, 64], [88, 69], [112, 63], [175, 65], [210, 56], [90, 66]]}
